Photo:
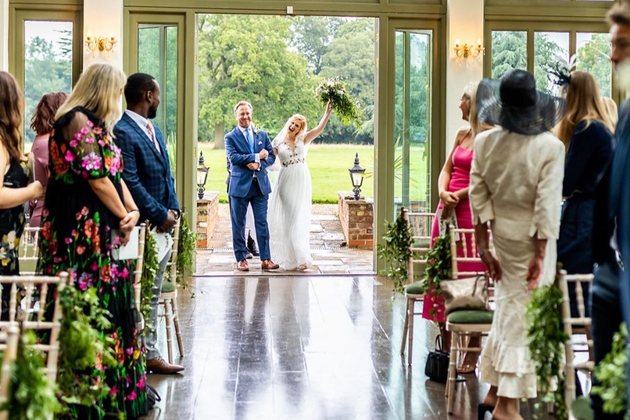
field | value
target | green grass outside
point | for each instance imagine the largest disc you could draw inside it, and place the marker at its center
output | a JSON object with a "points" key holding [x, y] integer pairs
{"points": [[329, 166]]}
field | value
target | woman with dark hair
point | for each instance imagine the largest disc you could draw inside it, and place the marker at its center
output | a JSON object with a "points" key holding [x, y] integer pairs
{"points": [[42, 124], [14, 175]]}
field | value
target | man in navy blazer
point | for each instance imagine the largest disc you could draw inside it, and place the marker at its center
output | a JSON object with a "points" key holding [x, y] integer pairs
{"points": [[250, 153], [147, 173]]}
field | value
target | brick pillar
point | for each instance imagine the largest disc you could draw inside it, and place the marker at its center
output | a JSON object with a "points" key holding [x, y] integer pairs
{"points": [[357, 220], [207, 216]]}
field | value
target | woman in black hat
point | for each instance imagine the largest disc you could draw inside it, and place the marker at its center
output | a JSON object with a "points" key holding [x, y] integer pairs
{"points": [[516, 188]]}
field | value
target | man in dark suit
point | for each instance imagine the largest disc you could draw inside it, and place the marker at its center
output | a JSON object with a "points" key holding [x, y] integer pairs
{"points": [[252, 249], [147, 173], [250, 153], [619, 20]]}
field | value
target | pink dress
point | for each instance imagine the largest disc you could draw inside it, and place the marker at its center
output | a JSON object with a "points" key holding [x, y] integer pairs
{"points": [[40, 151], [460, 178]]}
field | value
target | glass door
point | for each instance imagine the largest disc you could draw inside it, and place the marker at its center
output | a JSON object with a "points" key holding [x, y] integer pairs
{"points": [[157, 46]]}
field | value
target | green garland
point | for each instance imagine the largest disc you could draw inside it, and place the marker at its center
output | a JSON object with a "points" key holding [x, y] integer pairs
{"points": [[186, 250], [396, 252], [439, 265], [82, 347], [150, 268], [611, 374], [546, 340], [344, 105], [31, 396]]}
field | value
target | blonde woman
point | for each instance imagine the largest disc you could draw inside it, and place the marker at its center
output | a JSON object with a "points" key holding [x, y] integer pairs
{"points": [[88, 211], [587, 132], [290, 202], [453, 185]]}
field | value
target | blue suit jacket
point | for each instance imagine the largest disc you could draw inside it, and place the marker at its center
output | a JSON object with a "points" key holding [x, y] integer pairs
{"points": [[146, 172], [239, 155]]}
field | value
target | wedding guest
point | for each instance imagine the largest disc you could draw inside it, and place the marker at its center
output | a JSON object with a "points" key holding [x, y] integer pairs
{"points": [[88, 212], [453, 184], [42, 124], [515, 186], [14, 177], [290, 202]]}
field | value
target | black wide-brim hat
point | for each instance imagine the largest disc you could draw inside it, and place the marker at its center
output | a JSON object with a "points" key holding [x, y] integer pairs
{"points": [[513, 103]]}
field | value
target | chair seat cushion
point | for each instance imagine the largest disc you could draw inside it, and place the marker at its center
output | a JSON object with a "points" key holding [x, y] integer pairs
{"points": [[581, 408], [415, 288], [470, 317], [168, 287]]}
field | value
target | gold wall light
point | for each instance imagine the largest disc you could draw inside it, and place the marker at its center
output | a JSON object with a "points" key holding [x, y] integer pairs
{"points": [[465, 51], [99, 43]]}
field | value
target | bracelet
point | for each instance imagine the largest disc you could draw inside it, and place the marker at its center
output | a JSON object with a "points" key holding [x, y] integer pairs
{"points": [[482, 252], [132, 210]]}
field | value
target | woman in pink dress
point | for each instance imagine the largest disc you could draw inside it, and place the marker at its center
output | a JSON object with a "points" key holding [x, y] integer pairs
{"points": [[42, 123], [453, 191]]}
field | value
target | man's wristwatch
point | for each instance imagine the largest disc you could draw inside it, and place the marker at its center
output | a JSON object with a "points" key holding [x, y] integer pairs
{"points": [[176, 213], [482, 252]]}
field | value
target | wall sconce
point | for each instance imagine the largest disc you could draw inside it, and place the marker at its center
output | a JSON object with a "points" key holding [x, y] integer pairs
{"points": [[356, 176], [464, 51], [99, 43]]}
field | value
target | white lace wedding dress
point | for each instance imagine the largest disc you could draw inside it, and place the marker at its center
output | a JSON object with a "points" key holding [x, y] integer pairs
{"points": [[289, 214]]}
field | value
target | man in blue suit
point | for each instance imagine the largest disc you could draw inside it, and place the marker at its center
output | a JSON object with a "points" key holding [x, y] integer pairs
{"points": [[147, 173], [619, 19], [250, 153]]}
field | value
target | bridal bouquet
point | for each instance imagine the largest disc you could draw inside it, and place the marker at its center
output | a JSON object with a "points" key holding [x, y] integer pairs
{"points": [[344, 105]]}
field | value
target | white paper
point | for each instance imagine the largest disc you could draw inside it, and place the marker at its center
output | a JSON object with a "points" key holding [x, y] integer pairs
{"points": [[164, 242], [129, 251]]}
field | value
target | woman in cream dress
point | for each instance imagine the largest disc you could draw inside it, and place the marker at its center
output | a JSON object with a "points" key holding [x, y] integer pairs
{"points": [[516, 188]]}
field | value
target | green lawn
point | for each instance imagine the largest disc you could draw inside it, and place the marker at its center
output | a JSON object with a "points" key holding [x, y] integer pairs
{"points": [[329, 166]]}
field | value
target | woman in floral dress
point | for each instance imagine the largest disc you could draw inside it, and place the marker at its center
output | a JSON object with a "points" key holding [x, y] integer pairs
{"points": [[14, 176], [88, 211]]}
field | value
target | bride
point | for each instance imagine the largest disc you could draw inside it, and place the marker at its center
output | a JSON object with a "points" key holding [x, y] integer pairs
{"points": [[290, 203]]}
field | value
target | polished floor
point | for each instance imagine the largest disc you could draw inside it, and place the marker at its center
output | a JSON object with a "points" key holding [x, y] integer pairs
{"points": [[302, 348]]}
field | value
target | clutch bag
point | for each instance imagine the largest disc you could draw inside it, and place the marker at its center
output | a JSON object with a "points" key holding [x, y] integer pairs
{"points": [[467, 293]]}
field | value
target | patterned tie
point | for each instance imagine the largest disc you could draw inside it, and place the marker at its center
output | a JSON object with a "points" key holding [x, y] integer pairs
{"points": [[250, 140], [151, 130]]}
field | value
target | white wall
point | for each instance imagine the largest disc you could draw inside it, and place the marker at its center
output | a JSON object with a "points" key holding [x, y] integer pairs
{"points": [[103, 18], [464, 21]]}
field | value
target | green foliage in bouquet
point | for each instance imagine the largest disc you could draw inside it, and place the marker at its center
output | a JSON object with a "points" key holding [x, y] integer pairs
{"points": [[343, 103], [439, 265], [150, 267], [611, 374], [31, 396], [396, 252], [546, 338], [83, 347], [186, 249]]}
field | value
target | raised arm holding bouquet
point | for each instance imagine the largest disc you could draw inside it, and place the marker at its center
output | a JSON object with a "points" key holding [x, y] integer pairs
{"points": [[335, 92]]}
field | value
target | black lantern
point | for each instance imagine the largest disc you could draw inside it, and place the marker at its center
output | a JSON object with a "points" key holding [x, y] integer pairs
{"points": [[356, 175], [202, 176]]}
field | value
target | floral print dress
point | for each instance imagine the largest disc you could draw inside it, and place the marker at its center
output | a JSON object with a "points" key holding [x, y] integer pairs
{"points": [[11, 228], [77, 236]]}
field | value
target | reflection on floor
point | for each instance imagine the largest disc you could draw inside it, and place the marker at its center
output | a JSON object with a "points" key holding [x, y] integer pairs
{"points": [[302, 348]]}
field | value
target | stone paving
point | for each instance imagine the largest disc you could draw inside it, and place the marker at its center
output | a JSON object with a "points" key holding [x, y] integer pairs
{"points": [[331, 256]]}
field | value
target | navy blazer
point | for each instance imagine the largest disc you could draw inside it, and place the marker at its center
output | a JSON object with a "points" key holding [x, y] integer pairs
{"points": [[146, 171], [239, 155]]}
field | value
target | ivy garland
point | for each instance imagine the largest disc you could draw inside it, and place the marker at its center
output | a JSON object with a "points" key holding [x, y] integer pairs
{"points": [[439, 265], [396, 251], [150, 268], [82, 347], [611, 373], [31, 396], [186, 250], [546, 340]]}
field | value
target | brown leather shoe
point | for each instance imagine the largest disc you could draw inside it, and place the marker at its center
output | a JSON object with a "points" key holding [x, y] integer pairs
{"points": [[162, 367], [269, 265], [242, 266]]}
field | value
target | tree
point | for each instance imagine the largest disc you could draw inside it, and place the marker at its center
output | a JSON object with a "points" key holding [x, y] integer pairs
{"points": [[312, 36], [351, 56], [247, 58], [594, 57]]}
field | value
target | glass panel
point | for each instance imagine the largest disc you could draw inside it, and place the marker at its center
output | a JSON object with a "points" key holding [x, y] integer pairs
{"points": [[594, 51], [47, 65], [549, 48], [157, 56], [509, 51], [413, 119]]}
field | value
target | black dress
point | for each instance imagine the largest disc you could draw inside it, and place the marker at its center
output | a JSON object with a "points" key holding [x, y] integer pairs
{"points": [[77, 236]]}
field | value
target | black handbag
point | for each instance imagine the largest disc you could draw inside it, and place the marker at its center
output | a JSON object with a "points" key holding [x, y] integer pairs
{"points": [[437, 362]]}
